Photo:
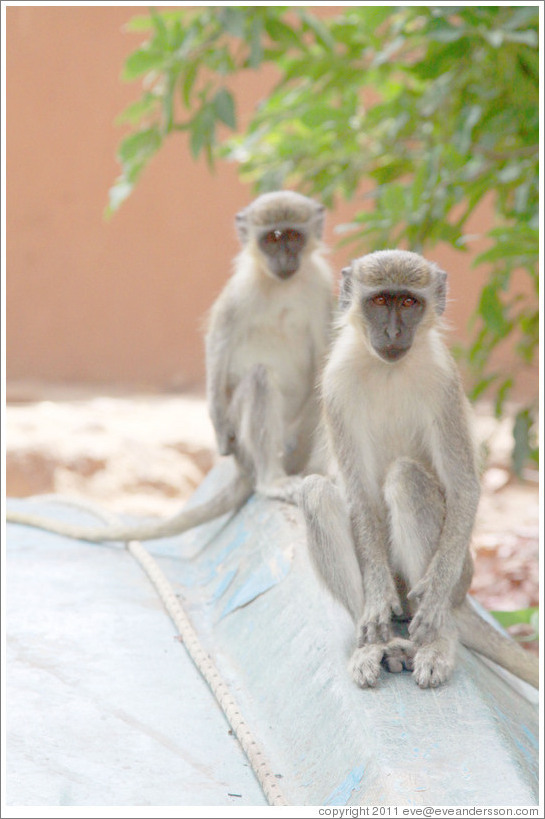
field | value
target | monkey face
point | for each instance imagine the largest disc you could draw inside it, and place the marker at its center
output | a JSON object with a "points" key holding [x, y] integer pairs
{"points": [[282, 250], [392, 319]]}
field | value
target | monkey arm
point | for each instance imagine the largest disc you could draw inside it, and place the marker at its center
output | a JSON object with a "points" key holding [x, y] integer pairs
{"points": [[455, 465], [379, 591], [218, 408], [369, 530], [217, 350]]}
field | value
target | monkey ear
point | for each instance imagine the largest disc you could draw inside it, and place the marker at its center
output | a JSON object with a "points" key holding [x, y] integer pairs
{"points": [[318, 220], [440, 290], [345, 290], [241, 225]]}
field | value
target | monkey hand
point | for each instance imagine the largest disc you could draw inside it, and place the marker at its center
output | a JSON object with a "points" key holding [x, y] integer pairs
{"points": [[226, 441], [431, 613], [374, 625]]}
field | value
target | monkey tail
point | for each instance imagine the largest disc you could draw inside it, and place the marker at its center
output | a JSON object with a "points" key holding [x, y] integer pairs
{"points": [[477, 634], [231, 498]]}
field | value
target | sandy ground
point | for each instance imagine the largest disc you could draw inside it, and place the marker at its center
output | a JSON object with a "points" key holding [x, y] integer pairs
{"points": [[145, 454]]}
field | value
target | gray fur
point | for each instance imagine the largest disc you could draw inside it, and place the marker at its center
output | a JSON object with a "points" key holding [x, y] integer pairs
{"points": [[265, 347], [408, 488]]}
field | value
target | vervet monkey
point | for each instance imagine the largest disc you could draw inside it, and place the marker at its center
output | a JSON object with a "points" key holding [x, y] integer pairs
{"points": [[392, 537], [265, 346]]}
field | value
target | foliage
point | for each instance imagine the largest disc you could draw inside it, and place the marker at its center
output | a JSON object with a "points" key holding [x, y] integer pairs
{"points": [[419, 112], [528, 616]]}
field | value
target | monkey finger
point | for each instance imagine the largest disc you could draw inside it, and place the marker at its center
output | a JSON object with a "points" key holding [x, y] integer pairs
{"points": [[364, 665], [422, 631], [399, 654], [392, 664], [373, 632], [417, 591], [397, 608], [433, 664], [415, 626], [366, 635], [384, 632]]}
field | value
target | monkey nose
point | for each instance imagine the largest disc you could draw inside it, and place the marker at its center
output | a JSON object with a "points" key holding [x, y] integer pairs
{"points": [[393, 331]]}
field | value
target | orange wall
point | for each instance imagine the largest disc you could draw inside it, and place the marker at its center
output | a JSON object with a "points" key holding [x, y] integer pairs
{"points": [[121, 301]]}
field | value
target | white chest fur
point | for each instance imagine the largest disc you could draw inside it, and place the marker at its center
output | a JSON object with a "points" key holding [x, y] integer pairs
{"points": [[282, 325], [387, 409]]}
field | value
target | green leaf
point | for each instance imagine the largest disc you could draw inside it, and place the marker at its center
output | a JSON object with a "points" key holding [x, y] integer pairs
{"points": [[493, 311], [256, 48], [481, 386], [202, 130], [318, 115], [160, 28], [233, 19], [138, 145], [188, 82], [446, 35], [513, 618], [317, 27], [392, 202], [142, 61], [224, 107], [139, 23], [146, 23], [501, 395], [452, 122], [282, 33], [521, 434], [138, 110]]}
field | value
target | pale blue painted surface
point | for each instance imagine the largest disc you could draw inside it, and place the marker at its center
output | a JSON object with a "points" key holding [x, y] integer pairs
{"points": [[282, 644], [343, 792]]}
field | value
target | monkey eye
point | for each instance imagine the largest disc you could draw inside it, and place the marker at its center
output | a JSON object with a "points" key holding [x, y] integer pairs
{"points": [[272, 237], [293, 235], [379, 300], [409, 301]]}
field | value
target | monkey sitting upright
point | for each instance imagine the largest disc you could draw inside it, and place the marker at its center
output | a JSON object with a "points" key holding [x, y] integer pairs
{"points": [[266, 342], [393, 536]]}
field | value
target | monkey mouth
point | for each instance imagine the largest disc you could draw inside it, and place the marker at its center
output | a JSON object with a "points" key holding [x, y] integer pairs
{"points": [[287, 273], [393, 353]]}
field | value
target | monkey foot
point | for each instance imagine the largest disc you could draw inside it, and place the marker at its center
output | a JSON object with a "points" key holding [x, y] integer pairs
{"points": [[429, 620], [286, 489], [364, 665], [398, 655], [434, 663]]}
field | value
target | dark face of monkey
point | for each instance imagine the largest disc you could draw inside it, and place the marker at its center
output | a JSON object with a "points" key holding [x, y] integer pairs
{"points": [[392, 318], [282, 249]]}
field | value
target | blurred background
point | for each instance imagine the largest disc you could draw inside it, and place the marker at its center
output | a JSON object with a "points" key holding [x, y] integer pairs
{"points": [[105, 316], [122, 302]]}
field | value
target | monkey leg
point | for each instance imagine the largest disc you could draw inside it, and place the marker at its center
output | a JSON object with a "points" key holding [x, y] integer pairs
{"points": [[256, 414], [417, 508], [398, 655], [330, 542], [332, 552], [364, 664], [434, 662]]}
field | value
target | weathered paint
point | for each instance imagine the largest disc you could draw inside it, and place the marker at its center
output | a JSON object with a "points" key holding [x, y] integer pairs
{"points": [[343, 792], [283, 648]]}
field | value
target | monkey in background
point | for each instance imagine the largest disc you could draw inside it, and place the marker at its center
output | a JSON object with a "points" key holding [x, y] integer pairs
{"points": [[266, 343], [269, 335], [391, 537]]}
